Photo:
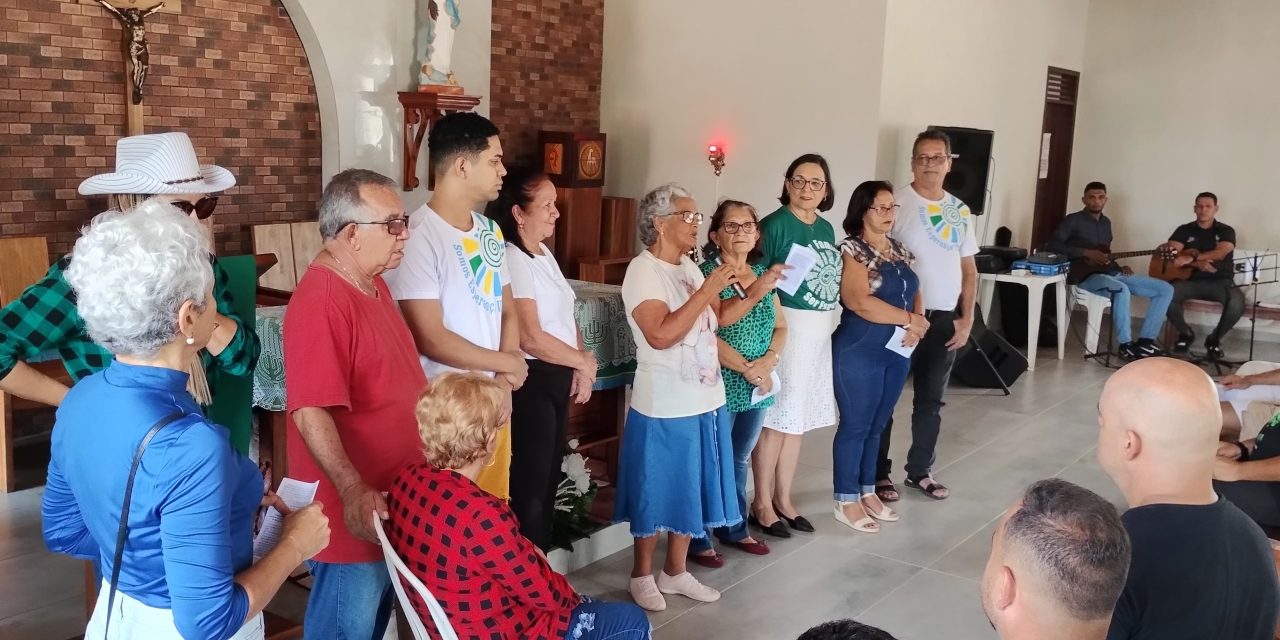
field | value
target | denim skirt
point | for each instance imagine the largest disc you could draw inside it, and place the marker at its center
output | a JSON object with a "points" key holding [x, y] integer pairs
{"points": [[676, 474]]}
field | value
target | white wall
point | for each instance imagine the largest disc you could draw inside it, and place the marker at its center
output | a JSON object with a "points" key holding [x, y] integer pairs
{"points": [[361, 55], [769, 81], [979, 64], [1178, 97]]}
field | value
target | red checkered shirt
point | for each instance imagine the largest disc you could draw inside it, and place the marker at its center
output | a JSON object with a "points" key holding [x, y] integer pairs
{"points": [[465, 546]]}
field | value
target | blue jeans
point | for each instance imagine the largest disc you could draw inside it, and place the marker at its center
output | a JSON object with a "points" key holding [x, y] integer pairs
{"points": [[593, 620], [868, 379], [348, 601], [746, 431], [1118, 288]]}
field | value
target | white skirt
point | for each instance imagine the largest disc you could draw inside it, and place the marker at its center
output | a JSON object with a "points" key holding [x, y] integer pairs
{"points": [[133, 620], [807, 399]]}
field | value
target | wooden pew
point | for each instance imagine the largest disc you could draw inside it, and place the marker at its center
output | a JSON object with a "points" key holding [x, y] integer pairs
{"points": [[295, 245]]}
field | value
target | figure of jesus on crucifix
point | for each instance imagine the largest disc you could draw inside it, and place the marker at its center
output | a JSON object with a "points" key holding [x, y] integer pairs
{"points": [[133, 42]]}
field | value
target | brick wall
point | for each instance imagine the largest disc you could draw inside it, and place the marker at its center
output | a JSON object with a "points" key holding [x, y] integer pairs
{"points": [[545, 72], [232, 74]]}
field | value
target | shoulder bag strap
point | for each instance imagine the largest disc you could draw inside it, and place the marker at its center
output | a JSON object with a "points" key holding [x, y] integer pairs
{"points": [[123, 531]]}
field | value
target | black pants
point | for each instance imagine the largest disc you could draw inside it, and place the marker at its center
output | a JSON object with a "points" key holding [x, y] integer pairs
{"points": [[1217, 290], [930, 372], [539, 419]]}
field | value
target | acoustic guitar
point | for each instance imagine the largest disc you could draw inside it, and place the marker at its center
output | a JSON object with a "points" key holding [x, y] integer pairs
{"points": [[1162, 267], [1082, 268]]}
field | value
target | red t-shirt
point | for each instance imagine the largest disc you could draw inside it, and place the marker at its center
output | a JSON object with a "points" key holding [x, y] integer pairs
{"points": [[353, 355], [465, 546]]}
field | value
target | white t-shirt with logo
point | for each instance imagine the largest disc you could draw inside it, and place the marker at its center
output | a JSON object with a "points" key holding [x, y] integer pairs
{"points": [[684, 379], [538, 278], [939, 233], [464, 270]]}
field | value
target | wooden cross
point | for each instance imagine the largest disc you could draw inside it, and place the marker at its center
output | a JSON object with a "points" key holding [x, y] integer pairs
{"points": [[131, 15]]}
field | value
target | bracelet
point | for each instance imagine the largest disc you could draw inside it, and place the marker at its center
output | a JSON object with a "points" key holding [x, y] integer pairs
{"points": [[1244, 452], [777, 356]]}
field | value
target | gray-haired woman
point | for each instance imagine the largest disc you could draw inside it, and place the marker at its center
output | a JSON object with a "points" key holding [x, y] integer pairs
{"points": [[144, 287], [676, 471]]}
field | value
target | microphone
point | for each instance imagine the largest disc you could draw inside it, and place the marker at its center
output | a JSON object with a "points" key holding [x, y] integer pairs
{"points": [[737, 286]]}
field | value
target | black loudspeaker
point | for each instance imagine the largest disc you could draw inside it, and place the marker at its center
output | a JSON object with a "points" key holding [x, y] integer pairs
{"points": [[972, 369], [971, 149]]}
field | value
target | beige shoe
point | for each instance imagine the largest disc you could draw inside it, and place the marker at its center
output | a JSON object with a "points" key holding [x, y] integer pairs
{"points": [[864, 524], [645, 592], [687, 585], [886, 513]]}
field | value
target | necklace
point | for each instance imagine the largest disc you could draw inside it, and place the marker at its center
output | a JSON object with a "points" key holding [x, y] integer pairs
{"points": [[350, 277]]}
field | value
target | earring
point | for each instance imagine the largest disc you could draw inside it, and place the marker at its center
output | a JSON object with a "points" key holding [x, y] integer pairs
{"points": [[191, 340]]}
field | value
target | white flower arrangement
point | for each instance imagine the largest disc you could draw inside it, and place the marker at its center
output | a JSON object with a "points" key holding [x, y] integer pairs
{"points": [[573, 498]]}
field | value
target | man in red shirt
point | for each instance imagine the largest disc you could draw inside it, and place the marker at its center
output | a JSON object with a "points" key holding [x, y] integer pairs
{"points": [[351, 379]]}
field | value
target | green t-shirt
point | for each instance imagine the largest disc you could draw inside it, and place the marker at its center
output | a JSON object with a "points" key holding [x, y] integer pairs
{"points": [[821, 288], [750, 336]]}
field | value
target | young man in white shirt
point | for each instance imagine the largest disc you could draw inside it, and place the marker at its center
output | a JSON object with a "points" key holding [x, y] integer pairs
{"points": [[452, 284], [938, 228]]}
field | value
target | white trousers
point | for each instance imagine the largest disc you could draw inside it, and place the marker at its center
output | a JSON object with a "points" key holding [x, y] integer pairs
{"points": [[1253, 406], [133, 620]]}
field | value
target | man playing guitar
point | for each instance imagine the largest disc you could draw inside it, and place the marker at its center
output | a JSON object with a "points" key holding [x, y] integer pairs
{"points": [[1205, 246], [1085, 237]]}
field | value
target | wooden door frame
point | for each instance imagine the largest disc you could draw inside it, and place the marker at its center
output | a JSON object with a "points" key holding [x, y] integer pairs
{"points": [[1046, 215]]}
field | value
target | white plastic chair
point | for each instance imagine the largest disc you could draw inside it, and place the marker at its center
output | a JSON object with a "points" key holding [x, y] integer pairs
{"points": [[1094, 306], [398, 570]]}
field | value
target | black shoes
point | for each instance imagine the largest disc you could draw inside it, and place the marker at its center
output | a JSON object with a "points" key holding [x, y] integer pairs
{"points": [[1130, 351], [799, 523], [1212, 350], [1183, 345], [1150, 348], [777, 529]]}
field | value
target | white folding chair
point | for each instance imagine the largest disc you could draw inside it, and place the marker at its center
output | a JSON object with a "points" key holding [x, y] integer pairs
{"points": [[398, 570], [1094, 306]]}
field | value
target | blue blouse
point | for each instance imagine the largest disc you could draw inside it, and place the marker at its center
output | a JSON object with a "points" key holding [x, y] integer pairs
{"points": [[194, 498]]}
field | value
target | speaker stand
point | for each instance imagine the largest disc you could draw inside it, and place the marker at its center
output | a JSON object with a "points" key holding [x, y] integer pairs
{"points": [[994, 371], [1101, 357]]}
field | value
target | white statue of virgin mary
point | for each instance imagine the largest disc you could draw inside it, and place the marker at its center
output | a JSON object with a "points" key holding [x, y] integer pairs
{"points": [[437, 23]]}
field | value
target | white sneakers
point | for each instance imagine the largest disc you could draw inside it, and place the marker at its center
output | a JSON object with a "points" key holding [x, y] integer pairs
{"points": [[647, 592]]}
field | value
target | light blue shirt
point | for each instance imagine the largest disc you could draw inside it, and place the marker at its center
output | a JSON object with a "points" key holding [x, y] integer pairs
{"points": [[194, 497]]}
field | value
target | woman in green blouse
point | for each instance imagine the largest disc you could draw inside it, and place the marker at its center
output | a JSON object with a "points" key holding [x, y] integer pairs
{"points": [[751, 335]]}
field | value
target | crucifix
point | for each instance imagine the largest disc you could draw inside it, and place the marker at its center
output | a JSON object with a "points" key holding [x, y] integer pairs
{"points": [[135, 52]]}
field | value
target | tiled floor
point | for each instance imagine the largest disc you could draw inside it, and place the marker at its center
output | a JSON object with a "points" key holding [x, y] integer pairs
{"points": [[917, 578]]}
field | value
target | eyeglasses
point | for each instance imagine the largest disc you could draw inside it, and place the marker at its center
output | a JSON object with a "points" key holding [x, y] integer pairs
{"points": [[203, 207], [885, 210], [799, 184], [395, 226], [931, 161], [690, 217], [734, 227]]}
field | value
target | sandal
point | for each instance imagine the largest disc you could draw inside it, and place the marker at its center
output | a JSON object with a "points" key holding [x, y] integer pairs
{"points": [[886, 514], [887, 492], [932, 489], [865, 524]]}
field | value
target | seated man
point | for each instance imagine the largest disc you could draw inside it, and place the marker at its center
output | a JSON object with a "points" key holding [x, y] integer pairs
{"points": [[1058, 562], [1249, 397], [1248, 474], [1206, 245], [1201, 569], [1085, 237]]}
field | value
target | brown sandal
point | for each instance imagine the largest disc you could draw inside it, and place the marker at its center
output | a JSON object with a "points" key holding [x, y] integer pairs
{"points": [[887, 492]]}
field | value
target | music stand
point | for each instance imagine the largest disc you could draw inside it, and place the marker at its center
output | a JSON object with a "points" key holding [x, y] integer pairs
{"points": [[1254, 266], [1103, 357]]}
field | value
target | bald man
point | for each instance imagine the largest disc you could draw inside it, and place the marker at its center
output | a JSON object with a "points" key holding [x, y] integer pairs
{"points": [[1058, 561], [1201, 569]]}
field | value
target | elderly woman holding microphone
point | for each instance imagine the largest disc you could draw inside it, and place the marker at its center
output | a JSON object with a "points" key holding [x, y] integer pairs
{"points": [[676, 468], [139, 478]]}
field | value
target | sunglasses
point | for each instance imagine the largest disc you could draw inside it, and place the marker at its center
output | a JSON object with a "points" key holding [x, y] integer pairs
{"points": [[395, 226], [203, 208]]}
